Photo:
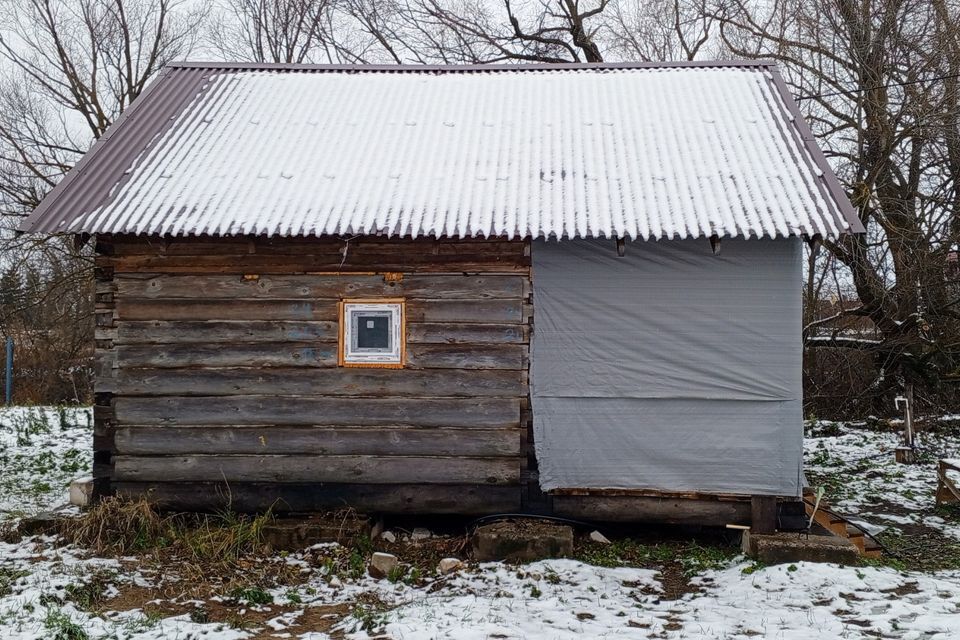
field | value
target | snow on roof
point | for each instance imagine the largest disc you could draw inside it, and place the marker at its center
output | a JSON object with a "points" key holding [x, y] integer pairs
{"points": [[638, 151]]}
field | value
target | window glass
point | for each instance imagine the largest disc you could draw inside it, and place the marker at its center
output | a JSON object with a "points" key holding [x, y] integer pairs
{"points": [[372, 330]]}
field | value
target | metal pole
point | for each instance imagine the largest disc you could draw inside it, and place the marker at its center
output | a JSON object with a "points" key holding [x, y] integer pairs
{"points": [[908, 416], [8, 392]]}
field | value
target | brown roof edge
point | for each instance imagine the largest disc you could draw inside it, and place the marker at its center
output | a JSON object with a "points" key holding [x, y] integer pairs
{"points": [[829, 177], [124, 143], [458, 68]]}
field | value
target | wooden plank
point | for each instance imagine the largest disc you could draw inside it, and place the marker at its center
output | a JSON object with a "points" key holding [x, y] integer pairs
{"points": [[461, 356], [314, 354], [224, 332], [322, 468], [302, 354], [255, 331], [763, 514], [240, 264], [326, 382], [448, 287], [369, 441], [239, 245], [457, 499], [268, 410], [456, 333], [456, 311], [715, 513]]}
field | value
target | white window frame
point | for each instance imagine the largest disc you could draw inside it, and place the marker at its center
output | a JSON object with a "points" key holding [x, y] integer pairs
{"points": [[350, 356]]}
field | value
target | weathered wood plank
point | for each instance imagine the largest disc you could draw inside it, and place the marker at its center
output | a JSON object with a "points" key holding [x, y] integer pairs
{"points": [[456, 333], [321, 468], [469, 499], [367, 441], [303, 354], [204, 245], [325, 382], [267, 410], [405, 262], [314, 354], [456, 311], [447, 287], [254, 331], [464, 356], [664, 510]]}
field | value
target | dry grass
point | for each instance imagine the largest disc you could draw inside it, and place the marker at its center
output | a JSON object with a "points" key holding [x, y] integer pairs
{"points": [[120, 526]]}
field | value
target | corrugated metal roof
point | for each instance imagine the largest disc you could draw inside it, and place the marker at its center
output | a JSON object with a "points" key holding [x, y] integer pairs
{"points": [[638, 151]]}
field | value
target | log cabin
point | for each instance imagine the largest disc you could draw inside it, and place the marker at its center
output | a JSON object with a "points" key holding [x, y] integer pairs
{"points": [[564, 289]]}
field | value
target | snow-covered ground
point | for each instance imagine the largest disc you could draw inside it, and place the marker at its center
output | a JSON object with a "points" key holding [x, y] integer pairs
{"points": [[41, 450], [52, 591], [856, 466]]}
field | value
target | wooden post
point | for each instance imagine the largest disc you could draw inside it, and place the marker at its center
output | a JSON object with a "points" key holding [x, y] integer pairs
{"points": [[907, 453], [763, 514]]}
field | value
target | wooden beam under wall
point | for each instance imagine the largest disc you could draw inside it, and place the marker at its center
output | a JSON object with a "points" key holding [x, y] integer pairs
{"points": [[763, 514], [712, 513], [462, 499]]}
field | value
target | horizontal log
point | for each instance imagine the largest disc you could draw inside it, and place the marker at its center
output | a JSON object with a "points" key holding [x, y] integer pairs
{"points": [[322, 468], [241, 264], [463, 356], [455, 333], [366, 441], [214, 286], [239, 245], [234, 331], [456, 311], [224, 331], [287, 354], [249, 497], [491, 413], [714, 513], [326, 382], [314, 354]]}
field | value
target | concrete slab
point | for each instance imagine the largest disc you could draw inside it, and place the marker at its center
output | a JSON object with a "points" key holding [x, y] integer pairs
{"points": [[522, 541], [780, 548]]}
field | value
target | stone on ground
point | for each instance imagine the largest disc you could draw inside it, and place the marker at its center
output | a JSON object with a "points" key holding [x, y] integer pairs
{"points": [[389, 536], [420, 534], [81, 492], [522, 540], [449, 565], [381, 564], [596, 536]]}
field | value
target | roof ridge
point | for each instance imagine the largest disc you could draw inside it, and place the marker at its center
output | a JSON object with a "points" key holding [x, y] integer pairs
{"points": [[462, 68]]}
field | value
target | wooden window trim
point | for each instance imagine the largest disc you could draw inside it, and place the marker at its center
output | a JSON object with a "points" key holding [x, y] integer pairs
{"points": [[341, 333]]}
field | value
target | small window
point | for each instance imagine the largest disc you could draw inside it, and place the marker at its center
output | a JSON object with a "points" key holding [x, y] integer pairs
{"points": [[372, 333]]}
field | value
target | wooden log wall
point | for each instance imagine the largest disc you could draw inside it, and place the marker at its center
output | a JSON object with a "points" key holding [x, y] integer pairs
{"points": [[217, 377]]}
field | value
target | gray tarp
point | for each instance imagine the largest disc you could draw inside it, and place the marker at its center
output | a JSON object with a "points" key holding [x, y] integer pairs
{"points": [[670, 368]]}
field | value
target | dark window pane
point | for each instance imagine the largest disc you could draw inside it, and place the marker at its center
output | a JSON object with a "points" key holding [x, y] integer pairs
{"points": [[373, 331]]}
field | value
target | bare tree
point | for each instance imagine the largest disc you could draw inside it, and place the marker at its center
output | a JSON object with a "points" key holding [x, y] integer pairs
{"points": [[290, 31], [475, 31], [72, 67], [877, 79], [656, 30], [69, 68]]}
